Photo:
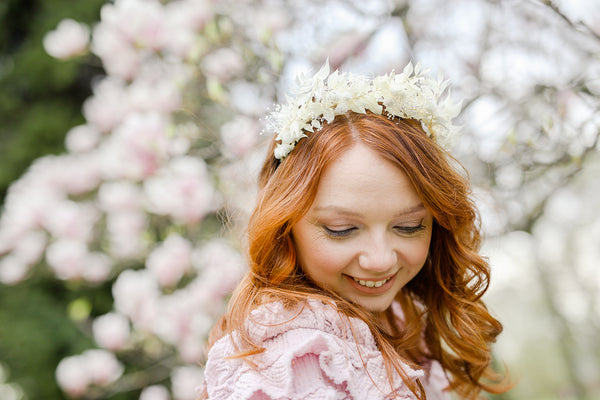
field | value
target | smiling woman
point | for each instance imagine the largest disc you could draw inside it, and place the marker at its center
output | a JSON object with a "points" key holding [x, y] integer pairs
{"points": [[364, 281], [366, 233]]}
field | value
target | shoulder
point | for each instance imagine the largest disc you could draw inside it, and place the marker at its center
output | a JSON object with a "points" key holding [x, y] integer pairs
{"points": [[311, 351]]}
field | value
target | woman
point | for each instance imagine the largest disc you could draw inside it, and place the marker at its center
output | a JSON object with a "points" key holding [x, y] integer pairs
{"points": [[364, 279]]}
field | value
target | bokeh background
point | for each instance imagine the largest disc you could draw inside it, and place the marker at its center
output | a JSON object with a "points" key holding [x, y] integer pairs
{"points": [[130, 139]]}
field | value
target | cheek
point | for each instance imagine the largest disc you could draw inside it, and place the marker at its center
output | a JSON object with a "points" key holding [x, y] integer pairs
{"points": [[318, 257], [417, 253]]}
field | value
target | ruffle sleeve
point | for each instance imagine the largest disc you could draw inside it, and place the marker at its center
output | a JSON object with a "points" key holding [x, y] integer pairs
{"points": [[309, 354]]}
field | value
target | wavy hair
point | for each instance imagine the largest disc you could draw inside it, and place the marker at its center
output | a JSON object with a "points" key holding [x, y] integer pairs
{"points": [[445, 318]]}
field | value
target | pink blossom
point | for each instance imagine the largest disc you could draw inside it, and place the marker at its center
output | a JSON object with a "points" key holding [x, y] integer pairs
{"points": [[119, 58], [220, 267], [67, 257], [191, 346], [70, 38], [157, 86], [12, 269], [223, 64], [170, 260], [247, 98], [239, 136], [108, 106], [125, 233], [72, 376], [191, 15], [119, 196], [111, 331], [82, 139], [128, 32], [186, 19], [97, 267], [70, 219], [173, 318], [99, 367], [136, 295], [184, 381], [138, 146], [31, 246], [182, 190], [155, 392], [102, 366], [70, 173], [140, 22]]}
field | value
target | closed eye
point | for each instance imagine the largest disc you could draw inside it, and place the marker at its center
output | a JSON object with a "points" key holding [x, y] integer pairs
{"points": [[410, 230], [341, 233]]}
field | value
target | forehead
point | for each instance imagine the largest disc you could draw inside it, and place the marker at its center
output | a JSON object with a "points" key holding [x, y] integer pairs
{"points": [[362, 178]]}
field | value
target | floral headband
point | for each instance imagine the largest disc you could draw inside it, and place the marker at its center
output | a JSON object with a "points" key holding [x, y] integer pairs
{"points": [[409, 95]]}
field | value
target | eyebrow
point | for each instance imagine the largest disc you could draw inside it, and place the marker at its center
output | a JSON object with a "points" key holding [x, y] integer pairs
{"points": [[345, 211]]}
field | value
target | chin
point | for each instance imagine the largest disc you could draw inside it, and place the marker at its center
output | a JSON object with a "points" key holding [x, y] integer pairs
{"points": [[376, 306]]}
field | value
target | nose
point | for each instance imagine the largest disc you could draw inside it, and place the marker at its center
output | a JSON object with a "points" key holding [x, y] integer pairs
{"points": [[378, 256]]}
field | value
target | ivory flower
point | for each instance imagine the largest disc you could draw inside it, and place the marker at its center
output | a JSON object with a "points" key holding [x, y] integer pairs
{"points": [[319, 99]]}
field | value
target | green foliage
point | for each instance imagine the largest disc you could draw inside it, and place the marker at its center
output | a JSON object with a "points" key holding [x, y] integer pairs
{"points": [[35, 333], [40, 97], [40, 100]]}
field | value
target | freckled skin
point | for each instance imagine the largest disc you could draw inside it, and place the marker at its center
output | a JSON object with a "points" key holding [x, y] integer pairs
{"points": [[367, 222]]}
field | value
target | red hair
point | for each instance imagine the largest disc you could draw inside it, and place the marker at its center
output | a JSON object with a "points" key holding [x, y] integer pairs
{"points": [[442, 304]]}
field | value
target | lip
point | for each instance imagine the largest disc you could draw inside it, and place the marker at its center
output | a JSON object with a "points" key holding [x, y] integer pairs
{"points": [[372, 290]]}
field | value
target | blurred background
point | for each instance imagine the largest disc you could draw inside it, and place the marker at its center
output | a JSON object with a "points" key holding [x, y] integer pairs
{"points": [[130, 140]]}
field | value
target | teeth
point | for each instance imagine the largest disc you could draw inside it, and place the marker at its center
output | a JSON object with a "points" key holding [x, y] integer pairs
{"points": [[371, 283]]}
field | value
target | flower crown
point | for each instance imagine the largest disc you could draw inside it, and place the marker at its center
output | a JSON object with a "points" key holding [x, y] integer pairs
{"points": [[410, 95]]}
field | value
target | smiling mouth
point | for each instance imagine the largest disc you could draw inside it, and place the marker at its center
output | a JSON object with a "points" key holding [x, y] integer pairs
{"points": [[371, 283]]}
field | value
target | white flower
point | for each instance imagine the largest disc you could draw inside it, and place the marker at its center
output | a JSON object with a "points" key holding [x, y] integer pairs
{"points": [[70, 38], [170, 260], [111, 331], [155, 392], [410, 95], [185, 379]]}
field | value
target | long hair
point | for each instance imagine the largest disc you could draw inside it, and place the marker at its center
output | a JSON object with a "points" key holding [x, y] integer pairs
{"points": [[445, 318]]}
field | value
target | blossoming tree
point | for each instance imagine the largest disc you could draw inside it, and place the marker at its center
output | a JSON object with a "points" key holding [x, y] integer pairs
{"points": [[163, 167]]}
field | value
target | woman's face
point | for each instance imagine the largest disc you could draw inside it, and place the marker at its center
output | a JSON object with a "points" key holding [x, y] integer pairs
{"points": [[367, 232]]}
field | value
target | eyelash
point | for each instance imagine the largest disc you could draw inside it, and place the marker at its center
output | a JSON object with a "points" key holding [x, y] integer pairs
{"points": [[406, 230], [410, 230], [338, 234]]}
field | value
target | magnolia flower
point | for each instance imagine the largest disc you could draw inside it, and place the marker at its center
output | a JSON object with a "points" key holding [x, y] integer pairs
{"points": [[220, 267], [170, 260], [102, 366], [111, 331], [119, 196], [93, 367], [71, 219], [185, 20], [108, 106], [67, 258], [223, 64], [184, 381], [136, 295], [137, 147], [82, 139], [72, 376], [31, 246], [155, 392], [12, 269], [239, 136], [119, 58], [125, 232], [182, 190], [70, 38], [97, 267]]}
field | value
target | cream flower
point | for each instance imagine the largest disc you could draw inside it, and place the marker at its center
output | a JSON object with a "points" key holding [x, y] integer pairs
{"points": [[320, 98]]}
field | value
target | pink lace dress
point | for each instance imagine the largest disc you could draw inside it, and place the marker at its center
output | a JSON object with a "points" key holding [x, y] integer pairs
{"points": [[311, 354]]}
